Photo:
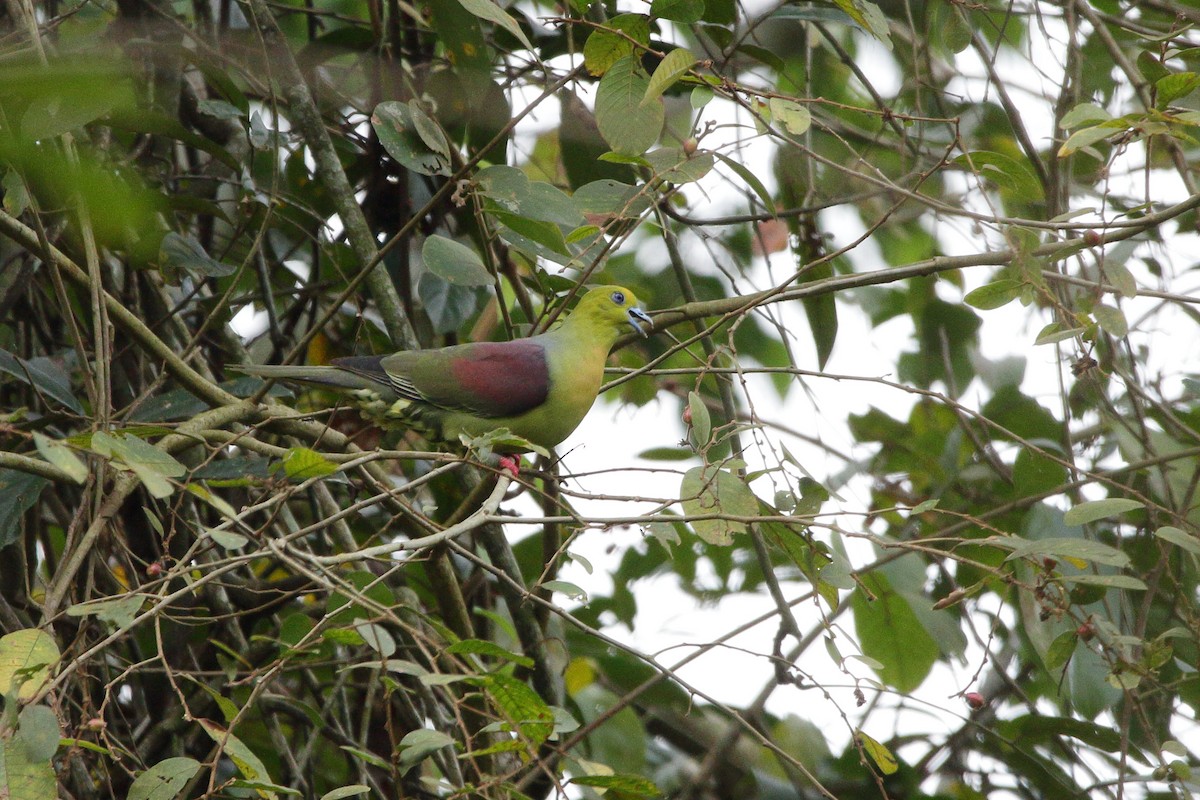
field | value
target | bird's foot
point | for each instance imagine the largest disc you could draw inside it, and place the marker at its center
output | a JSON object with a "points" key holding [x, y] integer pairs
{"points": [[512, 464]]}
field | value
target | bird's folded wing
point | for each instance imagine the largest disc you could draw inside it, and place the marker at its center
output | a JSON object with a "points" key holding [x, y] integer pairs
{"points": [[489, 379]]}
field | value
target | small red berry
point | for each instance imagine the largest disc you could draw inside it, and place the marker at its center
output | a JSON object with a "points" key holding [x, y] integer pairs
{"points": [[512, 465], [975, 700]]}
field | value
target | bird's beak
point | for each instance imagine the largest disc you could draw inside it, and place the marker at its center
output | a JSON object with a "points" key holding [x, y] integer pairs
{"points": [[636, 317]]}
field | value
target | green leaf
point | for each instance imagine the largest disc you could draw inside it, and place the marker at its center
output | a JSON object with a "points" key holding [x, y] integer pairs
{"points": [[1112, 320], [1179, 538], [673, 66], [821, 312], [883, 758], [1060, 650], [519, 706], [622, 786], [1041, 729], [228, 539], [18, 492], [812, 14], [1078, 551], [701, 420], [347, 791], [483, 647], [606, 46], [1055, 332], [16, 193], [454, 262], [22, 778], [44, 375], [62, 457], [869, 17], [448, 306], [955, 31], [1109, 581], [245, 759], [1172, 87], [609, 198], [429, 131], [220, 109], [27, 657], [183, 253], [666, 454], [419, 744], [582, 233], [752, 180], [1121, 279], [165, 780], [120, 611], [368, 758], [1083, 114], [1085, 137], [301, 463], [489, 11], [685, 12], [397, 131], [794, 117], [76, 103], [994, 295], [38, 730], [673, 165], [620, 158], [711, 490], [377, 638], [1011, 174], [892, 634], [514, 193], [1093, 510], [1151, 68], [1035, 474], [536, 237], [152, 465], [566, 588], [629, 127]]}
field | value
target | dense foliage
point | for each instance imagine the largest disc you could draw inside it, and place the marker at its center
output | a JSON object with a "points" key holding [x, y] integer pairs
{"points": [[922, 281]]}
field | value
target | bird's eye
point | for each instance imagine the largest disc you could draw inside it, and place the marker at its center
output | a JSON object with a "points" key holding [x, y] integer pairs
{"points": [[618, 298]]}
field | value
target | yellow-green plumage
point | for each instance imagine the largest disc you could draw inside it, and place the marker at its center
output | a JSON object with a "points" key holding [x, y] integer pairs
{"points": [[539, 388]]}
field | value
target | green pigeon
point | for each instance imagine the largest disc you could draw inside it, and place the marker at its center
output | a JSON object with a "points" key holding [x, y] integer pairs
{"points": [[540, 388]]}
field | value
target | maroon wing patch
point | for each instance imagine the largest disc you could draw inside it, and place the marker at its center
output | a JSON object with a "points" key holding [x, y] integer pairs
{"points": [[499, 379]]}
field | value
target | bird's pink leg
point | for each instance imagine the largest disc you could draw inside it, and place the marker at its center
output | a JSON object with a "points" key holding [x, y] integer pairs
{"points": [[512, 464]]}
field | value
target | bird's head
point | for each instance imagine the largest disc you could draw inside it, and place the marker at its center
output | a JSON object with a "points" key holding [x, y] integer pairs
{"points": [[611, 307]]}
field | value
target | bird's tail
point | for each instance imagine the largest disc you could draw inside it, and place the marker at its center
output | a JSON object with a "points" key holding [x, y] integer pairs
{"points": [[330, 377]]}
